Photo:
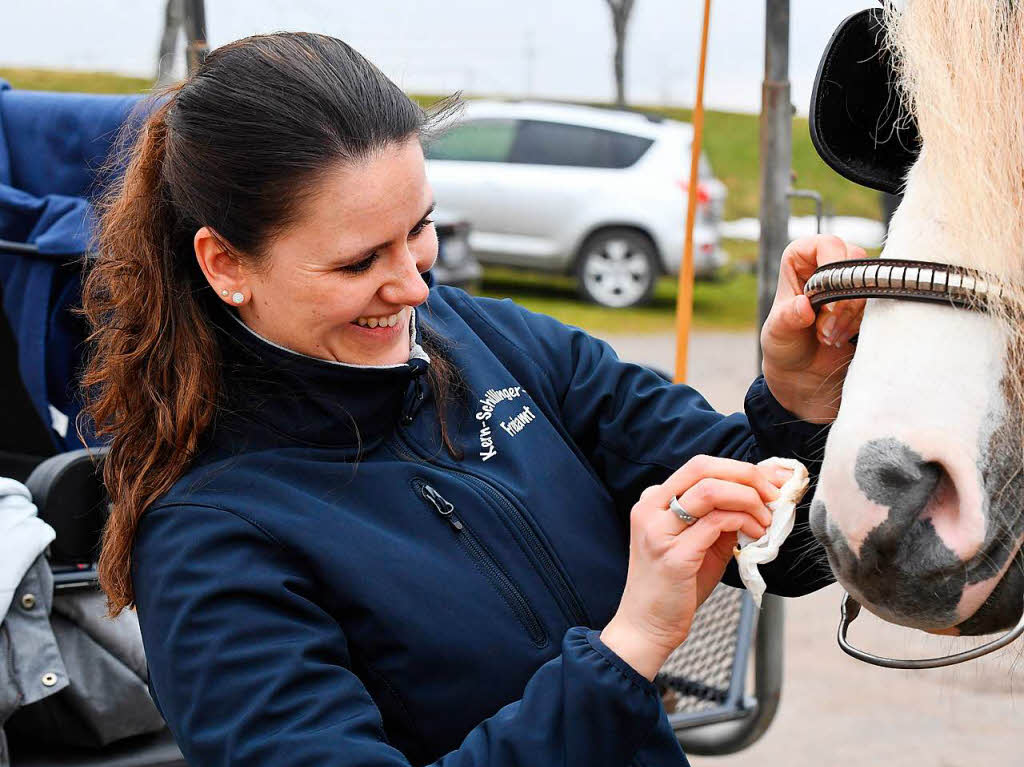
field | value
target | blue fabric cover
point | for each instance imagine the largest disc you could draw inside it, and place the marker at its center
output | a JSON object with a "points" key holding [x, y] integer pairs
{"points": [[52, 148], [56, 143]]}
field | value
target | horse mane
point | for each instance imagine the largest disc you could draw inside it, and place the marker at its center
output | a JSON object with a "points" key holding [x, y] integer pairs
{"points": [[960, 66]]}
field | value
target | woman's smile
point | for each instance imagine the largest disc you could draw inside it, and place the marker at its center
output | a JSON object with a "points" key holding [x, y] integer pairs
{"points": [[382, 327]]}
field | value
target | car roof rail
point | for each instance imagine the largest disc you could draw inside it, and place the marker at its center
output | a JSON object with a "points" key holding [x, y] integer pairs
{"points": [[654, 117]]}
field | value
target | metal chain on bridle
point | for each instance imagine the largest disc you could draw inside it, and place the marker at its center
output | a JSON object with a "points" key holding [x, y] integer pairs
{"points": [[954, 286]]}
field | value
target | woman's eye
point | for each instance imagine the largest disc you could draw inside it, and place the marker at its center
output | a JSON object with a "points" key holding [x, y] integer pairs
{"points": [[360, 266], [421, 226]]}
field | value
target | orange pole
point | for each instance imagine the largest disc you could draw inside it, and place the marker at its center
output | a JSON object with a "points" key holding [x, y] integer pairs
{"points": [[684, 301]]}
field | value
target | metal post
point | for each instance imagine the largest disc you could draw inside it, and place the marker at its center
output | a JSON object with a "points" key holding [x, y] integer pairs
{"points": [[195, 31], [776, 155], [776, 170]]}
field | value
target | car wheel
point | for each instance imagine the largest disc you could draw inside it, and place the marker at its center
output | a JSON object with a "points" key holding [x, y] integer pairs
{"points": [[617, 268]]}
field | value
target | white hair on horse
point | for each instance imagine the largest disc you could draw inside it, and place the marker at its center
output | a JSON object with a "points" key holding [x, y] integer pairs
{"points": [[961, 74], [920, 499]]}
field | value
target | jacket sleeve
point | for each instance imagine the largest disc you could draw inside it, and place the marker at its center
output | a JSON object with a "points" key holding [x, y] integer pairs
{"points": [[248, 667], [635, 428]]}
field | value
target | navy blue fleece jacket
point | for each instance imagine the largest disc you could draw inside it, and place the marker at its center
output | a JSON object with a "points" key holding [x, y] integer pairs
{"points": [[328, 586]]}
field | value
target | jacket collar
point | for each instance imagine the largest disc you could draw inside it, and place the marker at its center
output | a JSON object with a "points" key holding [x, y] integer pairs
{"points": [[274, 396]]}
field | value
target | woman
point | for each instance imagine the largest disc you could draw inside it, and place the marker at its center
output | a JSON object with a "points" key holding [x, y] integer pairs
{"points": [[365, 522]]}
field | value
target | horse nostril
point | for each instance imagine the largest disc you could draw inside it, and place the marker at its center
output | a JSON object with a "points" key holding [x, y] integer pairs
{"points": [[907, 477], [892, 475]]}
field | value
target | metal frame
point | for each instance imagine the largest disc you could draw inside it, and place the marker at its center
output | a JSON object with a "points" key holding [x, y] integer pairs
{"points": [[21, 248], [737, 704], [743, 718]]}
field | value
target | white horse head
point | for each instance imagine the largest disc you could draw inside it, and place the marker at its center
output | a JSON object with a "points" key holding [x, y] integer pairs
{"points": [[920, 504]]}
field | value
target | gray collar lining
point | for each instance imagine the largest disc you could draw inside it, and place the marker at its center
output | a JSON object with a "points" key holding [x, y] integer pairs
{"points": [[415, 350]]}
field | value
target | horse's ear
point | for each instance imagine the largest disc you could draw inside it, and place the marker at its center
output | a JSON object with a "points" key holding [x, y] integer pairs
{"points": [[857, 122]]}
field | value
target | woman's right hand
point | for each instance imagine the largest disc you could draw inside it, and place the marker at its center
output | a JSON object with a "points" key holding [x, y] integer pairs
{"points": [[674, 567]]}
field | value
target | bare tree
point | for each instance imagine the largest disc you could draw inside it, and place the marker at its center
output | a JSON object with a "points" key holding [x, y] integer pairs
{"points": [[620, 20], [174, 22]]}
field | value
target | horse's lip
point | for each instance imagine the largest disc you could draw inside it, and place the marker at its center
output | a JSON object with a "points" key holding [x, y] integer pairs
{"points": [[984, 620], [985, 558]]}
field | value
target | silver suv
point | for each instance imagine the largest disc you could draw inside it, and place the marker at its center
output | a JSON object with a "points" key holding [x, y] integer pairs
{"points": [[574, 189]]}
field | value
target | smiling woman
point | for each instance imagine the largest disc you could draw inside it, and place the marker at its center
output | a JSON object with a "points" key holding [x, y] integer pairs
{"points": [[340, 283], [294, 250], [364, 520]]}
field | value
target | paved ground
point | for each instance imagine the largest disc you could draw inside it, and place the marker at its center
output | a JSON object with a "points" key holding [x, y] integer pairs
{"points": [[838, 711]]}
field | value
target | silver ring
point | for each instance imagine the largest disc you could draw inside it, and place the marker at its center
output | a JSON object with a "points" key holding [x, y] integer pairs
{"points": [[680, 512]]}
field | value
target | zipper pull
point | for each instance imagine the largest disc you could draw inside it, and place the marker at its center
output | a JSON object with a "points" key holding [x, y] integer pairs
{"points": [[414, 394], [441, 505]]}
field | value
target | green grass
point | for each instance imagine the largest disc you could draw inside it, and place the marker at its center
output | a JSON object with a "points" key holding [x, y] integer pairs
{"points": [[731, 143], [76, 82], [729, 302]]}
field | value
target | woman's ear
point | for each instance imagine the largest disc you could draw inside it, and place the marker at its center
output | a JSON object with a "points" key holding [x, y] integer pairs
{"points": [[222, 268]]}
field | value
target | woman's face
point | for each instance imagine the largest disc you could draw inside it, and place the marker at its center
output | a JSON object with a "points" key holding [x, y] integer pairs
{"points": [[340, 282]]}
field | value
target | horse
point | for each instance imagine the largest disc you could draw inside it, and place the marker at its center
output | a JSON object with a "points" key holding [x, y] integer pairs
{"points": [[920, 500]]}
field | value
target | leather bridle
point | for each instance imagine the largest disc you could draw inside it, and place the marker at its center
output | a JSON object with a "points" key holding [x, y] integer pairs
{"points": [[955, 286], [907, 280]]}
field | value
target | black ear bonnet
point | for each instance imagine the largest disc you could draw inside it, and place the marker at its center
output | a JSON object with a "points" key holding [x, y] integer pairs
{"points": [[855, 105]]}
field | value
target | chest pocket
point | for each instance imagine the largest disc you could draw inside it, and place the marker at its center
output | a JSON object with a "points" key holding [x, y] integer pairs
{"points": [[484, 561]]}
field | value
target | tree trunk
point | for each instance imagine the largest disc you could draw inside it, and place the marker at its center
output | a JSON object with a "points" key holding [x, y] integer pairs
{"points": [[174, 21], [620, 10]]}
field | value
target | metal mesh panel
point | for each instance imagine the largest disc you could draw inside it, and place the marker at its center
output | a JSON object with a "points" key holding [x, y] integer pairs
{"points": [[698, 675]]}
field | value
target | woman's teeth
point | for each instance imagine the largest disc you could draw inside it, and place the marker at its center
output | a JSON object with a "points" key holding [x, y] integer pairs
{"points": [[379, 322]]}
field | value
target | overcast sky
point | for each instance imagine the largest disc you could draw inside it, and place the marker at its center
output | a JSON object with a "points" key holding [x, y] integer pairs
{"points": [[552, 48]]}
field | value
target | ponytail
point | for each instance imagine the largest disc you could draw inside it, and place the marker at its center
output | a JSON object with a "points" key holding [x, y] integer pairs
{"points": [[238, 146], [152, 376]]}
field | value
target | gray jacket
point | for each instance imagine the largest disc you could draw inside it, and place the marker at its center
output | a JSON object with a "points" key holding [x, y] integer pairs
{"points": [[33, 668], [69, 674]]}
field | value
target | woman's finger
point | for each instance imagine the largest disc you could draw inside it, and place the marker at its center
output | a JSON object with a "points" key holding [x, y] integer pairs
{"points": [[793, 315], [702, 535], [777, 474], [707, 466], [851, 327], [710, 494], [835, 326], [802, 257], [653, 490]]}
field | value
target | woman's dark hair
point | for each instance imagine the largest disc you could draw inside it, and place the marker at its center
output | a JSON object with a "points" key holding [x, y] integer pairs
{"points": [[239, 147]]}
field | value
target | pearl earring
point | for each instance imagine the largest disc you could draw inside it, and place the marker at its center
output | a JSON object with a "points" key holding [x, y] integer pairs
{"points": [[224, 292], [237, 297]]}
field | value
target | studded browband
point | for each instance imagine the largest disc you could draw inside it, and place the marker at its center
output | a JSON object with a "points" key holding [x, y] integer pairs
{"points": [[908, 280]]}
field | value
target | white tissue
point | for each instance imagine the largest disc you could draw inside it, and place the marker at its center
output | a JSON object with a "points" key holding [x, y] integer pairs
{"points": [[752, 553]]}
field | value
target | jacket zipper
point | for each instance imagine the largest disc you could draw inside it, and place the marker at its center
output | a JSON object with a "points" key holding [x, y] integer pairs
{"points": [[562, 589], [476, 550], [564, 593]]}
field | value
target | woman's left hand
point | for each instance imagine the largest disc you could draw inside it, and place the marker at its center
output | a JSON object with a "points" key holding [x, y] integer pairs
{"points": [[805, 356]]}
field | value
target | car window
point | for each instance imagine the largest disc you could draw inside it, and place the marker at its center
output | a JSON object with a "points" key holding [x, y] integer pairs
{"points": [[475, 141], [549, 143]]}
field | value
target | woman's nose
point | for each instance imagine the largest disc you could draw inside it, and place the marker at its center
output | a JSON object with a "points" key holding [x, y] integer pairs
{"points": [[406, 285]]}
